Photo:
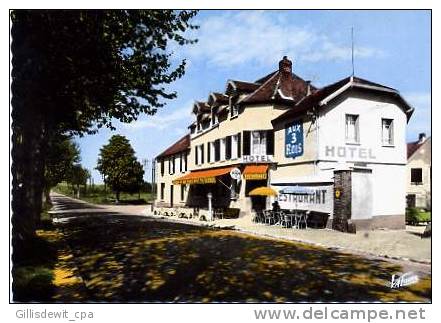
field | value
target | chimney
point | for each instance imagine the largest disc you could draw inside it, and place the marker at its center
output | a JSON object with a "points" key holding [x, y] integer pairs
{"points": [[308, 88], [285, 67], [421, 137]]}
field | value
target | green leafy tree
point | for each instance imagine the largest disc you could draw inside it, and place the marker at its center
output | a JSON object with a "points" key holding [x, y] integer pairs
{"points": [[75, 71], [62, 155], [118, 164], [78, 176]]}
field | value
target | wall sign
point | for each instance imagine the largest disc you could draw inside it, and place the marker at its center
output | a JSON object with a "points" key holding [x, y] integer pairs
{"points": [[257, 159], [349, 152], [317, 198], [235, 174], [294, 139]]}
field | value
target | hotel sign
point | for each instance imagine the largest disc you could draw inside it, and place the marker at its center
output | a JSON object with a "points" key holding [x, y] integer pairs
{"points": [[294, 139], [349, 152], [253, 159]]}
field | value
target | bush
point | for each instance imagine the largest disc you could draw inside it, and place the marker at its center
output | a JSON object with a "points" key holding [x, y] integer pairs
{"points": [[415, 216]]}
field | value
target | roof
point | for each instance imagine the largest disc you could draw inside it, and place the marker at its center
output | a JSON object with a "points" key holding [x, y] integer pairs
{"points": [[412, 147], [322, 96], [179, 146], [201, 107], [216, 99], [241, 86], [281, 85]]}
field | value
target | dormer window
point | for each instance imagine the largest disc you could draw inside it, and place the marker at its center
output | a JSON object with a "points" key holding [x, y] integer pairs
{"points": [[214, 118], [234, 109]]}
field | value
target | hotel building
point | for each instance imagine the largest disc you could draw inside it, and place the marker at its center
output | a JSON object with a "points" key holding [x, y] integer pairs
{"points": [[338, 151]]}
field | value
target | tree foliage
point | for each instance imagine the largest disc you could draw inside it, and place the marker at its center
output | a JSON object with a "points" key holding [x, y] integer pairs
{"points": [[62, 155], [75, 71], [118, 164]]}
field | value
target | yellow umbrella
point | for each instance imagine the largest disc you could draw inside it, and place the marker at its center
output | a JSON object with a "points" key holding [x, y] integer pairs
{"points": [[263, 191]]}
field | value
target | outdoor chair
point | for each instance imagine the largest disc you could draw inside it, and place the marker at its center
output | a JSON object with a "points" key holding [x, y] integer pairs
{"points": [[218, 213], [286, 220], [269, 217]]}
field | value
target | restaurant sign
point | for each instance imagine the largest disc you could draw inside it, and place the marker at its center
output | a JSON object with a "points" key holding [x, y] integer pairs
{"points": [[312, 198], [294, 139]]}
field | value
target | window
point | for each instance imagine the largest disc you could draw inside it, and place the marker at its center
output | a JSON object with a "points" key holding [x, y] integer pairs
{"points": [[162, 190], [352, 131], [171, 165], [162, 167], [182, 192], [199, 127], [209, 152], [223, 147], [387, 131], [199, 154], [214, 118], [217, 150], [185, 162], [234, 146], [258, 142], [416, 176], [234, 110]]}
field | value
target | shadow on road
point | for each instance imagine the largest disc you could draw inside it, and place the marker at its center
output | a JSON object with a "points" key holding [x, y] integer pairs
{"points": [[136, 259]]}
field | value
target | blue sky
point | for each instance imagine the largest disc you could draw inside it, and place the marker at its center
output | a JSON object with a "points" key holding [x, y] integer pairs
{"points": [[391, 47]]}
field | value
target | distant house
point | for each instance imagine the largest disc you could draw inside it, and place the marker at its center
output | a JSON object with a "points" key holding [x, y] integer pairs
{"points": [[419, 172]]}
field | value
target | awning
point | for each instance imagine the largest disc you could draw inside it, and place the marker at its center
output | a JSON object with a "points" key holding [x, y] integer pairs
{"points": [[207, 176], [255, 172]]}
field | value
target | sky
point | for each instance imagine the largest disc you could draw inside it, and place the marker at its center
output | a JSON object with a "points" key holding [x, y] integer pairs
{"points": [[391, 47]]}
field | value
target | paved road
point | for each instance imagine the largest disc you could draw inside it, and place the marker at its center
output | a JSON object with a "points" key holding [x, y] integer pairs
{"points": [[126, 257]]}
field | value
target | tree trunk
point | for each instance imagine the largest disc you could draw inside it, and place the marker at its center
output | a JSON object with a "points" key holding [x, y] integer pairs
{"points": [[27, 179], [117, 196], [47, 196]]}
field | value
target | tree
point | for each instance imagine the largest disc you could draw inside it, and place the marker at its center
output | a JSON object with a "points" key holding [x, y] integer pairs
{"points": [[74, 71], [118, 163], [78, 176], [62, 155]]}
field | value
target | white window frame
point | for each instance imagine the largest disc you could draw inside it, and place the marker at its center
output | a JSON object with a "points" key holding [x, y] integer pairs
{"points": [[234, 143], [223, 148], [387, 132], [199, 148], [355, 138], [258, 142]]}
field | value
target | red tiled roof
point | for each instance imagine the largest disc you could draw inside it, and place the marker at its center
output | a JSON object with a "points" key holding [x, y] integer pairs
{"points": [[241, 86], [281, 85], [179, 146], [412, 147], [216, 99]]}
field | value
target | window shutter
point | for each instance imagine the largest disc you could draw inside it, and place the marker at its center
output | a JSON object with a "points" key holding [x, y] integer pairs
{"points": [[185, 160], [202, 153], [162, 167], [228, 148], [180, 162], [209, 152], [239, 148], [217, 150], [270, 142], [246, 142], [196, 155]]}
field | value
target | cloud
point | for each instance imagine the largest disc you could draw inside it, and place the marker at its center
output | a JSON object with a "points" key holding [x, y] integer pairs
{"points": [[235, 38], [421, 117], [164, 119]]}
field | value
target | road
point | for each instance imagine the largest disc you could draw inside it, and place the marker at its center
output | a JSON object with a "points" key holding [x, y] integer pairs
{"points": [[123, 256]]}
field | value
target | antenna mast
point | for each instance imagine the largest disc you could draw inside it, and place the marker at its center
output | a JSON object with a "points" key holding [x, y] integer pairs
{"points": [[352, 51]]}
